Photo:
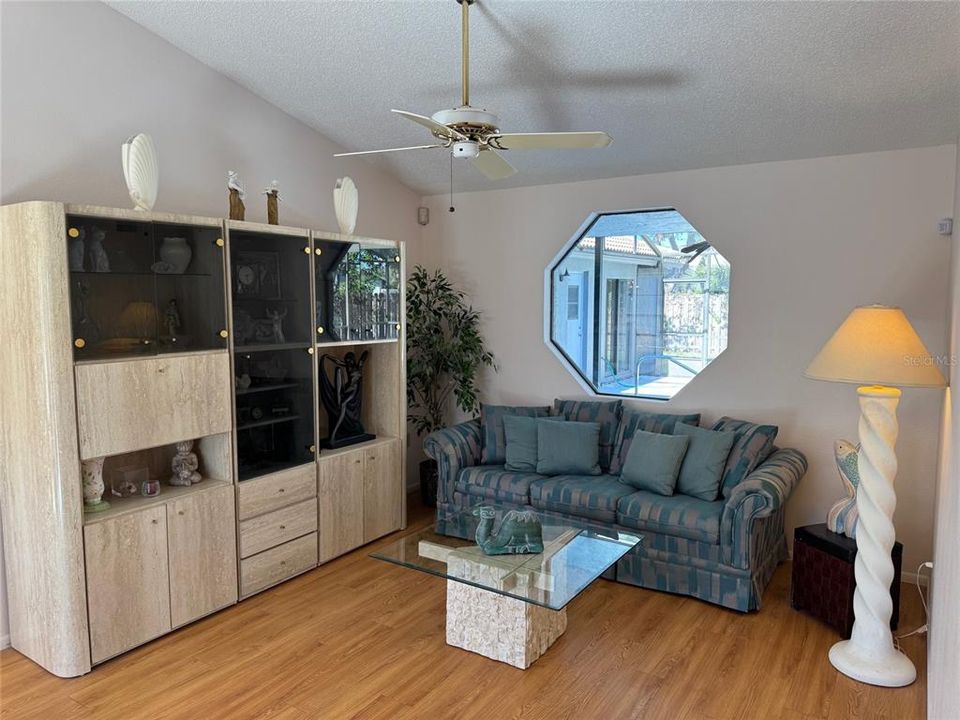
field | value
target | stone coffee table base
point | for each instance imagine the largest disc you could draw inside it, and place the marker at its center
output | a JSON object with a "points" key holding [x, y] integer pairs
{"points": [[500, 627]]}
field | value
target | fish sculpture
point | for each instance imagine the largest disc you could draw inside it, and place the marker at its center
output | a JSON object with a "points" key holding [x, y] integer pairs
{"points": [[842, 517], [520, 532]]}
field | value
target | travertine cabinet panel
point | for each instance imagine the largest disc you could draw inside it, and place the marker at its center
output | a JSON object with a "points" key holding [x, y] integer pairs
{"points": [[203, 557], [340, 504], [128, 585], [133, 404]]}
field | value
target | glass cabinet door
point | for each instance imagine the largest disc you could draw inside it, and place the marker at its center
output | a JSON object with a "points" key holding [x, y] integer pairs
{"points": [[189, 287], [140, 288], [270, 291], [273, 351], [274, 410], [358, 291]]}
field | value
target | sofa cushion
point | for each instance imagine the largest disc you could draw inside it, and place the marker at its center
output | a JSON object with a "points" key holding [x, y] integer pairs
{"points": [[753, 445], [633, 420], [588, 496], [607, 414], [653, 462], [493, 482], [703, 464], [679, 515], [521, 435], [567, 448], [493, 445]]}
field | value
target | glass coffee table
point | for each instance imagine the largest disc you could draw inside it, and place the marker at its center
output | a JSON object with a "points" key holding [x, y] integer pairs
{"points": [[510, 608]]}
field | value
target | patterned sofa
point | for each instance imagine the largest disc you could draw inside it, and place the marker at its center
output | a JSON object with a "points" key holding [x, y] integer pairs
{"points": [[723, 552]]}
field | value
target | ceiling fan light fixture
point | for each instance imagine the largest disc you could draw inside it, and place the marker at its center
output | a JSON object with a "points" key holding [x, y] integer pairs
{"points": [[465, 149]]}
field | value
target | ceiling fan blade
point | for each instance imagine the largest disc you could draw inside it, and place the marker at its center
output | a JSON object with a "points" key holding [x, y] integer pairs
{"points": [[387, 150], [550, 140], [492, 164], [432, 124]]}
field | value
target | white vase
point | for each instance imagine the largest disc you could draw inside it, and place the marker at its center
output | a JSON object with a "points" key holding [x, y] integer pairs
{"points": [[93, 487], [176, 252], [346, 204], [141, 170]]}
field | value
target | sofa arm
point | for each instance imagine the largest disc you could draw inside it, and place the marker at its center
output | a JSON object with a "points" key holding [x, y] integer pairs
{"points": [[454, 448], [762, 493]]}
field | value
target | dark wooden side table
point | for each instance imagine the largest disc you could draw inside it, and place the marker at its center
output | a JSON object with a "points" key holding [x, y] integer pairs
{"points": [[823, 581]]}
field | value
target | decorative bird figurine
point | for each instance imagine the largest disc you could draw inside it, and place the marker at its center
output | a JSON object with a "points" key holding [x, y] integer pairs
{"points": [[842, 517]]}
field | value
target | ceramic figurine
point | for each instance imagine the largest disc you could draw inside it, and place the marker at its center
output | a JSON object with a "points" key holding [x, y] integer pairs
{"points": [[276, 324], [98, 256], [93, 487], [77, 250], [184, 465], [343, 399], [236, 195], [171, 318], [842, 517], [520, 532], [141, 170], [177, 253], [273, 203], [345, 205]]}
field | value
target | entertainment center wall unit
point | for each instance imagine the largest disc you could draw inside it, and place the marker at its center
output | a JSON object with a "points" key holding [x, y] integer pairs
{"points": [[129, 332]]}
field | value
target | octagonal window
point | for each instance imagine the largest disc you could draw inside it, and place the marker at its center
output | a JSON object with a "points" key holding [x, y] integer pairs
{"points": [[639, 303]]}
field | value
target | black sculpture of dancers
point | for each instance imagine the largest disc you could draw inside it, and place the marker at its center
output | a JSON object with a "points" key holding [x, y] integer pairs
{"points": [[342, 398]]}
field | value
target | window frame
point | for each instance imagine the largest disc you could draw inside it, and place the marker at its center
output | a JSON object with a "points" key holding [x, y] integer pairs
{"points": [[596, 340]]}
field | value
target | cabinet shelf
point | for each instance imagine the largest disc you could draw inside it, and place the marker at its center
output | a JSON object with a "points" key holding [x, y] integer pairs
{"points": [[109, 273], [260, 468], [268, 388], [346, 343], [135, 503], [271, 347], [270, 421], [379, 440]]}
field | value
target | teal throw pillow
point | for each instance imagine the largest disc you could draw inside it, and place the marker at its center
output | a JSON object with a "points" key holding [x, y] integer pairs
{"points": [[521, 436], [493, 445], [653, 461], [703, 464], [568, 448]]}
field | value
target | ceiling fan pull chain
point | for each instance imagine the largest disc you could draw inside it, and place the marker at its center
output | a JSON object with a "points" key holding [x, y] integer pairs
{"points": [[452, 208]]}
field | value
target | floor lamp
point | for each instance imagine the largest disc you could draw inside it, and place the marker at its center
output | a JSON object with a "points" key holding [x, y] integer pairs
{"points": [[877, 347]]}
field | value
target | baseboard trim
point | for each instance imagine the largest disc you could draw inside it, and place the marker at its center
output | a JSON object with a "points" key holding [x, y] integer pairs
{"points": [[911, 577]]}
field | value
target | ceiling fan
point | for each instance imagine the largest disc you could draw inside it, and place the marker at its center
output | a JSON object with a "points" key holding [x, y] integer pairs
{"points": [[472, 133]]}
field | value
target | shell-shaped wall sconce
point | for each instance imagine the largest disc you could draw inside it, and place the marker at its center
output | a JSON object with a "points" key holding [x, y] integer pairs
{"points": [[345, 204], [141, 170]]}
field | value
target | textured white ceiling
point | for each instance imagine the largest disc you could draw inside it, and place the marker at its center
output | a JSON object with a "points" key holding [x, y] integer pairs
{"points": [[677, 84]]}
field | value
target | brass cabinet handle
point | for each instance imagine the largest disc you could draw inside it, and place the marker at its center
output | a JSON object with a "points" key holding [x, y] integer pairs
{"points": [[162, 369], [307, 250], [357, 461], [154, 521], [219, 242], [224, 334], [282, 490], [79, 342], [179, 512], [313, 448], [319, 330], [283, 527], [396, 258], [318, 251], [73, 232], [309, 351]]}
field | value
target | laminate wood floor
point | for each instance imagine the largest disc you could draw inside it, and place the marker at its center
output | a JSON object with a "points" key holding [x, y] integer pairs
{"points": [[358, 638]]}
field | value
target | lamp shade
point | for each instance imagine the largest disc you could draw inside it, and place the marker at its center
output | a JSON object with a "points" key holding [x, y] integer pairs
{"points": [[876, 345]]}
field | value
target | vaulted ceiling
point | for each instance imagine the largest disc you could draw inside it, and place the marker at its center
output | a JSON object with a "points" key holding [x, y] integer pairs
{"points": [[677, 84]]}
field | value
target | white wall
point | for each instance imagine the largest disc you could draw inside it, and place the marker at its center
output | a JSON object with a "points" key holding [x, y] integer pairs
{"points": [[943, 697], [78, 78], [807, 240]]}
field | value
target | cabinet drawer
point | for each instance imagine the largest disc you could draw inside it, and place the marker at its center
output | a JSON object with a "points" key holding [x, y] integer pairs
{"points": [[259, 572], [266, 531], [272, 492], [135, 404]]}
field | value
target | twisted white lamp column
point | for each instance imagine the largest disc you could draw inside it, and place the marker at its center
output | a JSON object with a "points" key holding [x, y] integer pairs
{"points": [[869, 655]]}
